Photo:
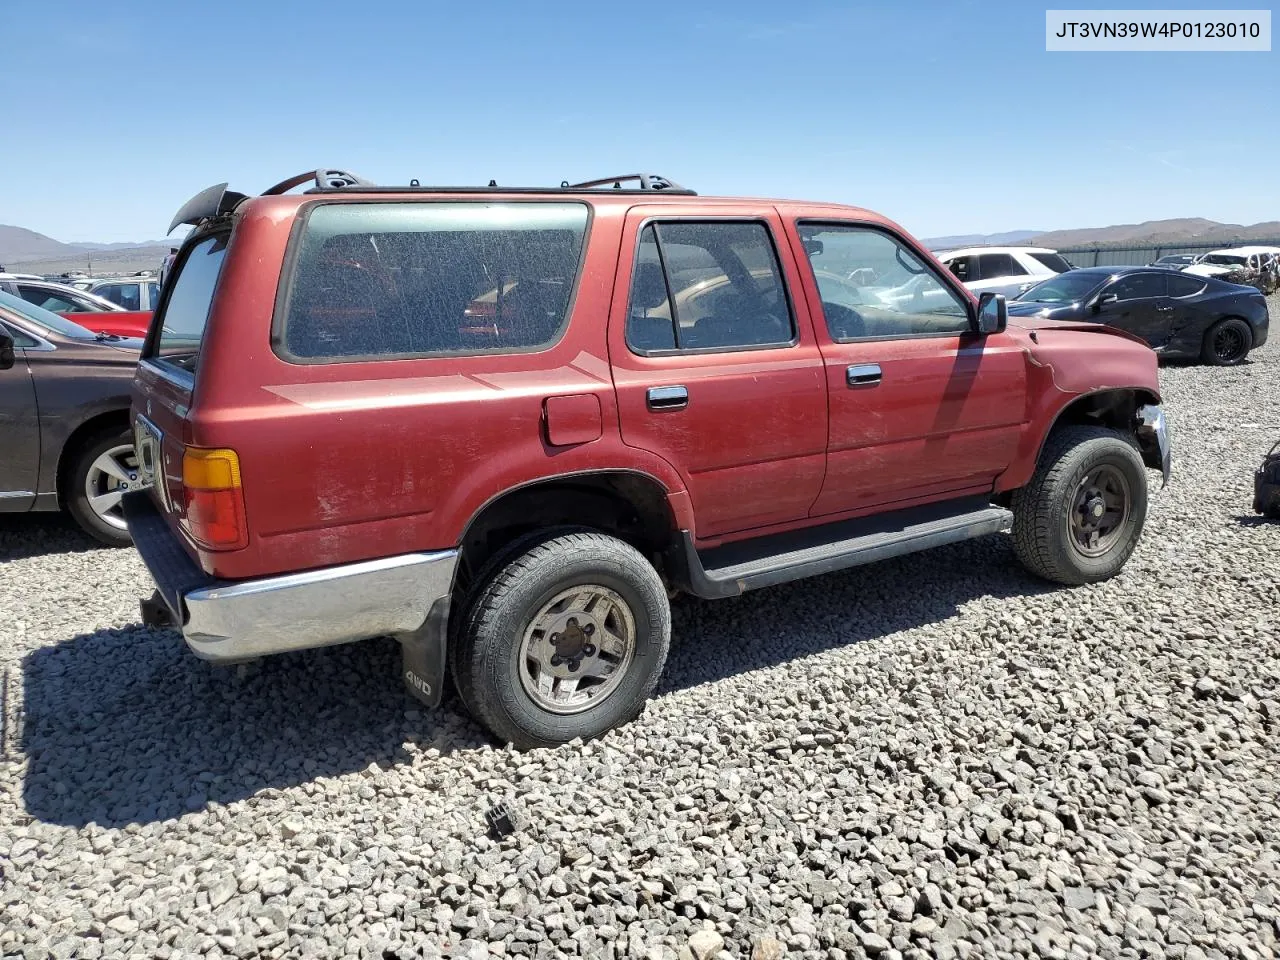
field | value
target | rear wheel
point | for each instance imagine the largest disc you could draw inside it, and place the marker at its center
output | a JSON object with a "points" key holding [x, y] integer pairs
{"points": [[1080, 517], [101, 472], [1227, 343], [565, 639]]}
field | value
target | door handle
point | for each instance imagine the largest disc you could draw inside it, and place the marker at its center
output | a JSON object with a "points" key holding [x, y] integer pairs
{"points": [[1164, 309], [862, 375], [667, 398]]}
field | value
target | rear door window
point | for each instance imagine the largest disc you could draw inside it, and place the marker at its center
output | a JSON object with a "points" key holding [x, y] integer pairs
{"points": [[382, 280], [187, 312], [997, 265], [1053, 261], [127, 295]]}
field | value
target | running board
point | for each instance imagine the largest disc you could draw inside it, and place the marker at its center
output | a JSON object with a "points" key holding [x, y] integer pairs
{"points": [[764, 562]]}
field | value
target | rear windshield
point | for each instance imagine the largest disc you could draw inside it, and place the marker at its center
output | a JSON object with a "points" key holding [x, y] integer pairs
{"points": [[1053, 261], [191, 295], [380, 280]]}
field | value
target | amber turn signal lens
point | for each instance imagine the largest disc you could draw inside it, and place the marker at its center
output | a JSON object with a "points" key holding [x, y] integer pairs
{"points": [[210, 469]]}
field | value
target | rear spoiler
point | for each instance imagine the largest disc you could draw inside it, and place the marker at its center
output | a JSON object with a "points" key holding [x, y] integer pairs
{"points": [[211, 202], [218, 200]]}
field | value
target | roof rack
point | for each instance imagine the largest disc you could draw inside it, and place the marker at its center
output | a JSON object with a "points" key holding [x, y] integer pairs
{"points": [[647, 181], [218, 201]]}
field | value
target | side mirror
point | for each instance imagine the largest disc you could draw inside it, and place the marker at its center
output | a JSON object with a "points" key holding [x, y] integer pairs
{"points": [[7, 356], [813, 248], [993, 313], [1103, 300]]}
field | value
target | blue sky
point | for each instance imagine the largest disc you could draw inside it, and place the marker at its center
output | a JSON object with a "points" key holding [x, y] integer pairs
{"points": [[948, 117]]}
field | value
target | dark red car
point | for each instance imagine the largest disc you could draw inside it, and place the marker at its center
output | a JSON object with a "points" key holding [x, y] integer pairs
{"points": [[505, 425]]}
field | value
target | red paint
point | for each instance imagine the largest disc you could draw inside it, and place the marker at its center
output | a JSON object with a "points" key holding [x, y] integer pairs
{"points": [[123, 323], [352, 461], [573, 419]]}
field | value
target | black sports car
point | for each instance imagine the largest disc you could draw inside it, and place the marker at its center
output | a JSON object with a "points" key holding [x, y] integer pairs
{"points": [[1179, 314]]}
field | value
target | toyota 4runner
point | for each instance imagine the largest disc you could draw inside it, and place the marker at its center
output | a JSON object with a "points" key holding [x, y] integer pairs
{"points": [[506, 425]]}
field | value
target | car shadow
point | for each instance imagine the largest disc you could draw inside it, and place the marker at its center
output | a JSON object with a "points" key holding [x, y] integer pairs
{"points": [[25, 535], [1255, 520], [713, 640], [125, 726]]}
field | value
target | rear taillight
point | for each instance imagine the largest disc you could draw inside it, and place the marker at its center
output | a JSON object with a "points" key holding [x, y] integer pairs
{"points": [[213, 497]]}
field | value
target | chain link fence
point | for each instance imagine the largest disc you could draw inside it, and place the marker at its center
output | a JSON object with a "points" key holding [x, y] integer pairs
{"points": [[1118, 256]]}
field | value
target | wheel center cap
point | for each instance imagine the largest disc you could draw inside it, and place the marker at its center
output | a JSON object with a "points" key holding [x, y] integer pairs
{"points": [[1097, 508]]}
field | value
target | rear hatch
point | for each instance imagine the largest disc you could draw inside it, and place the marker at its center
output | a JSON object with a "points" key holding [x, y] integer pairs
{"points": [[169, 369]]}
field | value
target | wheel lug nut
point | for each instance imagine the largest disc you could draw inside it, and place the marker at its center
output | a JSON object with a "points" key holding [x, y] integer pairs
{"points": [[555, 660], [589, 629], [573, 666], [589, 650]]}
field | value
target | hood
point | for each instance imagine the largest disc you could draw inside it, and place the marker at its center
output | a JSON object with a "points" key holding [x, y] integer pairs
{"points": [[1050, 324]]}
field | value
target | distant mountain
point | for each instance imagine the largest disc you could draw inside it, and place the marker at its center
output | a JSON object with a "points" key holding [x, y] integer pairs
{"points": [[26, 251], [1190, 231], [21, 246], [981, 239], [18, 244]]}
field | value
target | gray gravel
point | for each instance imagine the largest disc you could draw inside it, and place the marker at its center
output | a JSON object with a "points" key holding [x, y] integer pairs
{"points": [[937, 756]]}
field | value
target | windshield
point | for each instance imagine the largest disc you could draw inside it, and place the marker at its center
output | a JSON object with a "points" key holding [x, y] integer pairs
{"points": [[45, 318], [1064, 288], [1222, 260]]}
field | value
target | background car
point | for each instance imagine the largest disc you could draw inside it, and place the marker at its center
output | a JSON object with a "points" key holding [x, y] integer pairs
{"points": [[1217, 263], [57, 297], [138, 293], [1176, 261], [64, 419], [1004, 270], [1177, 314], [88, 309]]}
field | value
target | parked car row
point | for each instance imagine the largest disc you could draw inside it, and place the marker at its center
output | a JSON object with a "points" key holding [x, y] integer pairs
{"points": [[84, 305]]}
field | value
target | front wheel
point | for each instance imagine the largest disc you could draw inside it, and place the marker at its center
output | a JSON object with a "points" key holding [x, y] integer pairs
{"points": [[1080, 517], [565, 639], [1227, 343]]}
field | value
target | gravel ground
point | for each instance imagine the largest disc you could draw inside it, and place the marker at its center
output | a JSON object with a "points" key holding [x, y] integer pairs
{"points": [[937, 756]]}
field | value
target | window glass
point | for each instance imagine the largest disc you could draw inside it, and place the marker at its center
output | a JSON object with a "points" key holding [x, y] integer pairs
{"points": [[153, 295], [126, 295], [649, 325], [20, 339], [1053, 261], [997, 265], [58, 303], [1182, 285], [411, 279], [45, 318], [873, 286], [723, 281], [1064, 288], [182, 323], [1139, 286], [964, 268]]}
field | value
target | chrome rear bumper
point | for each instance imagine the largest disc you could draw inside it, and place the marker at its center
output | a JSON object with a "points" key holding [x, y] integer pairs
{"points": [[316, 608], [230, 621]]}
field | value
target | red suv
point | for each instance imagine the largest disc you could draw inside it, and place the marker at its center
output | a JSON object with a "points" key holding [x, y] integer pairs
{"points": [[506, 425]]}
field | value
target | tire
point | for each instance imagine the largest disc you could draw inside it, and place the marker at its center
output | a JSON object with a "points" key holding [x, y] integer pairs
{"points": [[503, 643], [1227, 343], [1056, 533], [85, 475]]}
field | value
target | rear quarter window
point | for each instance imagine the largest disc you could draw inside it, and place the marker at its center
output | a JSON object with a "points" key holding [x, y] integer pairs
{"points": [[394, 280], [187, 310]]}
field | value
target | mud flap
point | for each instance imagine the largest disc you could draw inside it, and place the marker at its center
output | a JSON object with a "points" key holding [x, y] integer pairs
{"points": [[423, 655]]}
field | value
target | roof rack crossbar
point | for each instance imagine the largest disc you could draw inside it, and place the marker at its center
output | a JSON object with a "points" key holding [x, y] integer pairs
{"points": [[330, 179], [647, 181]]}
